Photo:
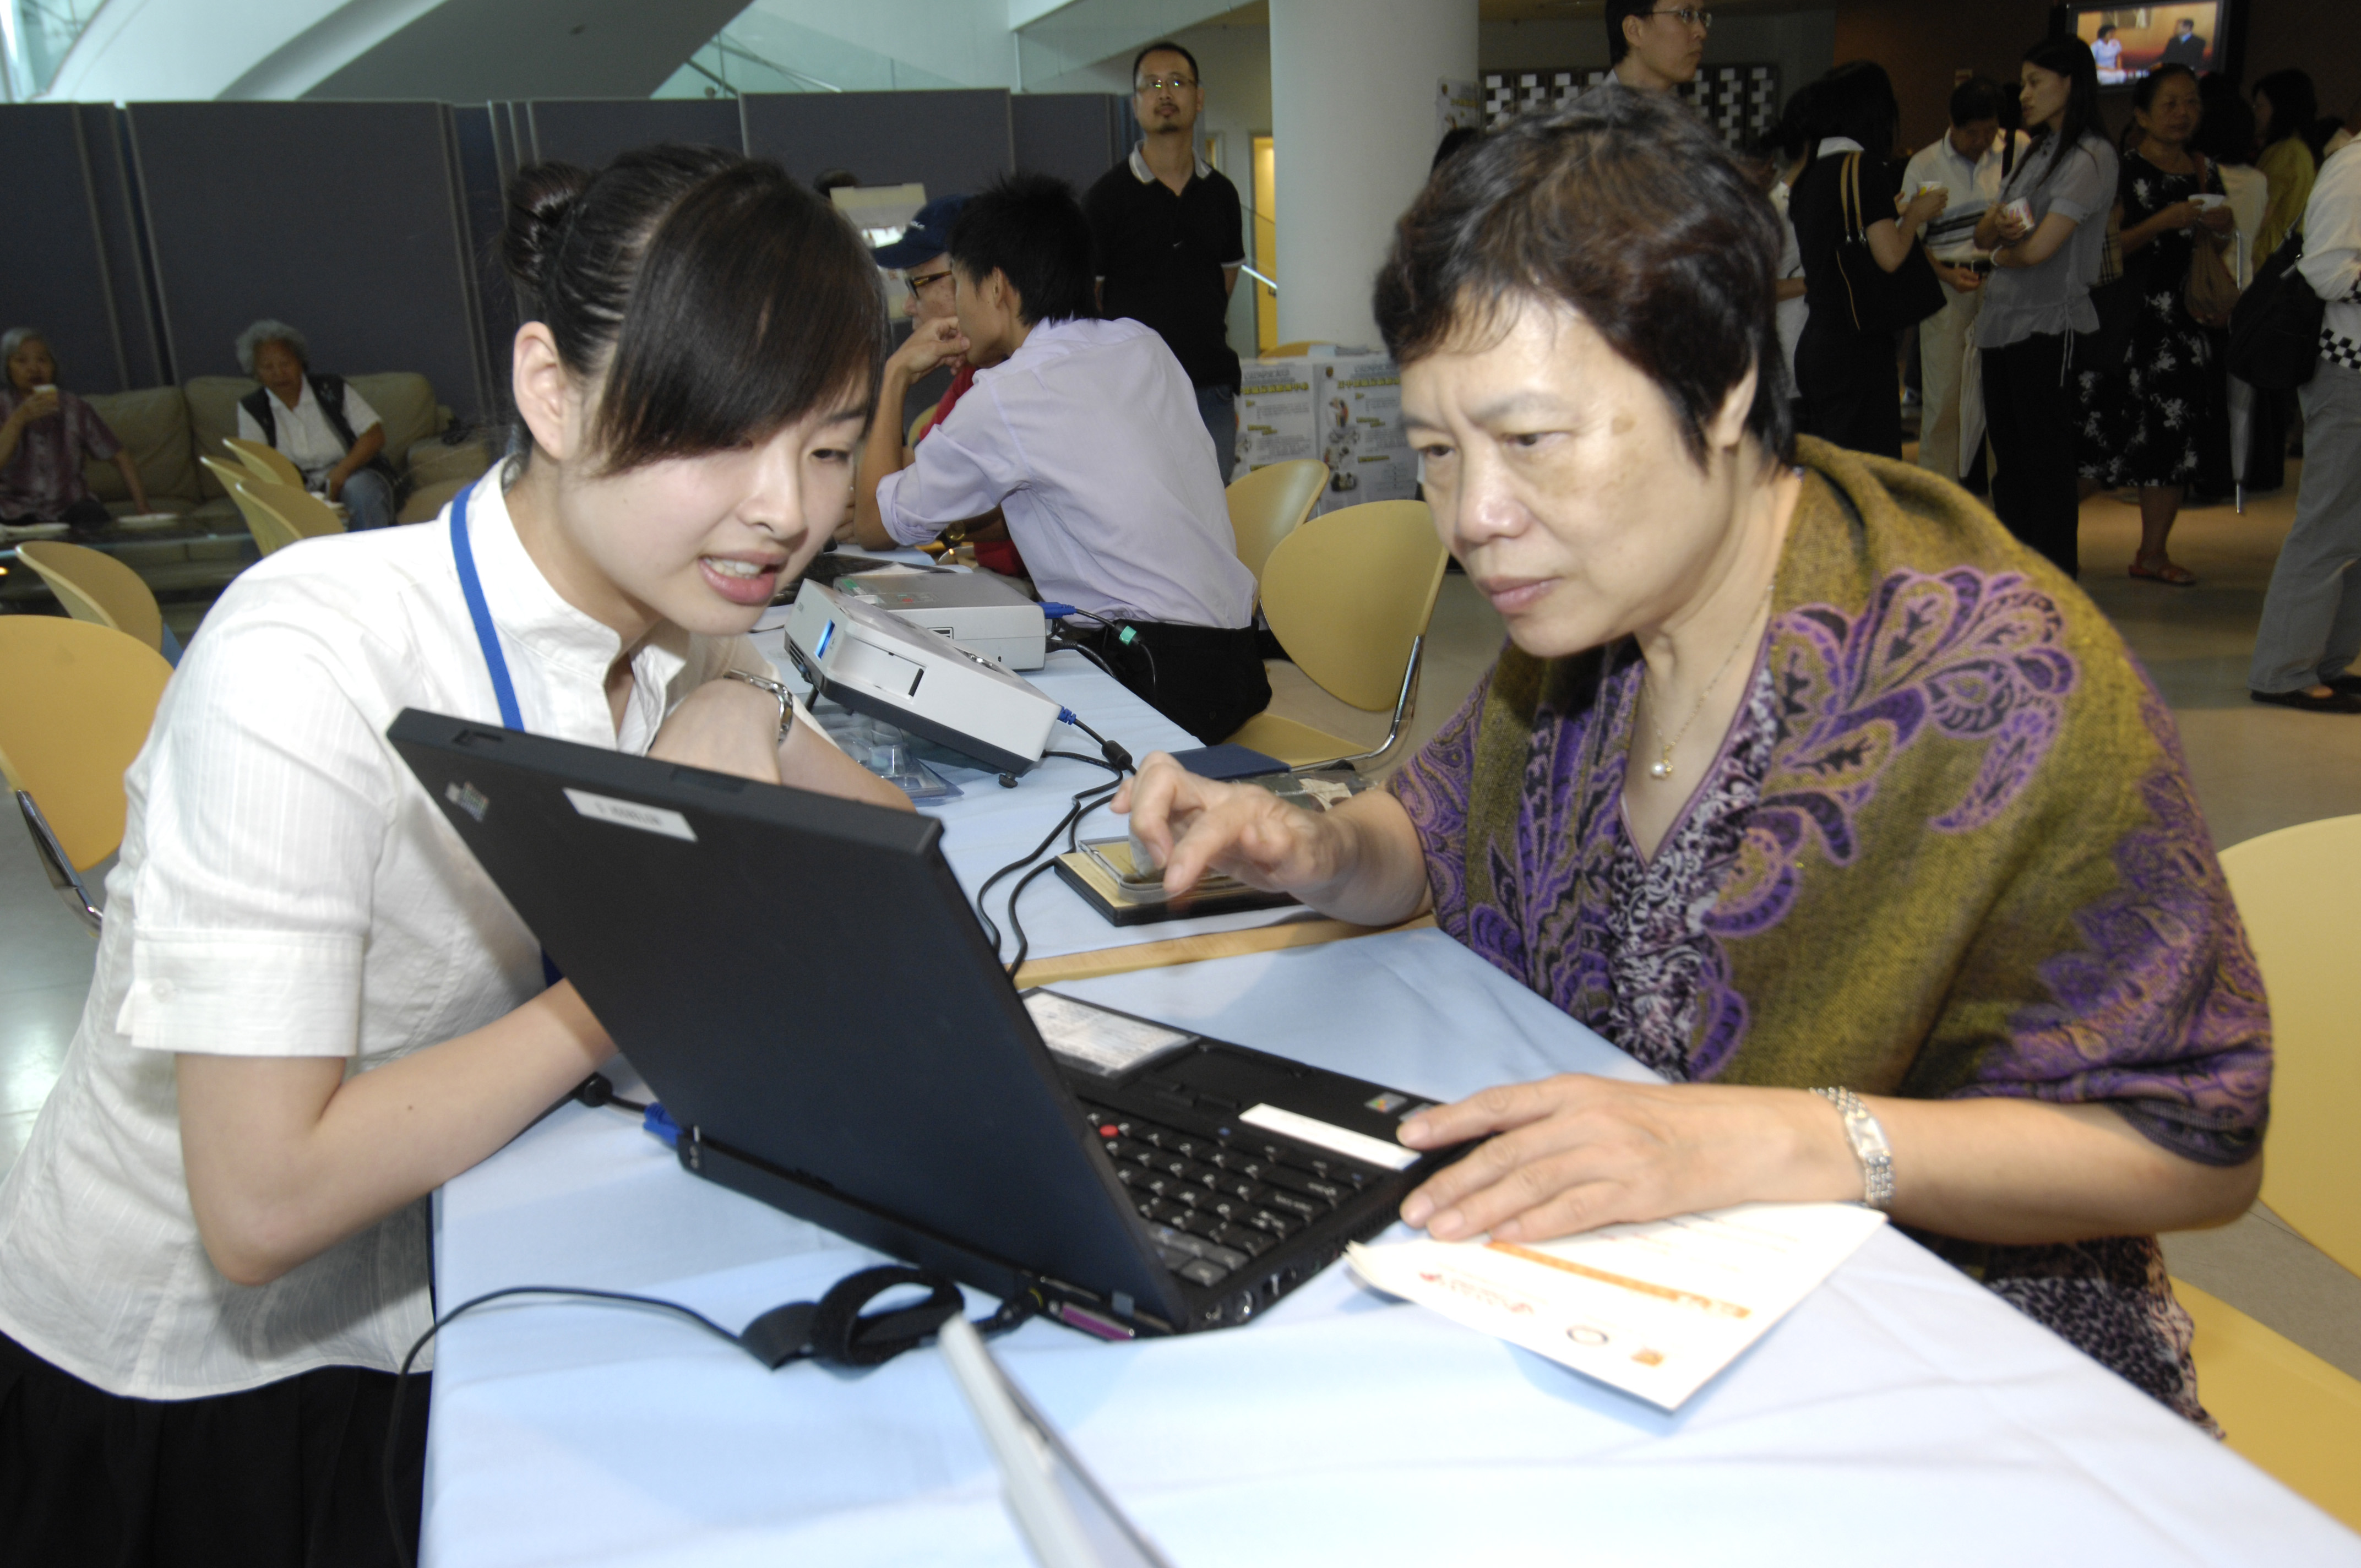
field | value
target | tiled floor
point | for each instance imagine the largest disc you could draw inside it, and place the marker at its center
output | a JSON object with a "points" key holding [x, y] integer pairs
{"points": [[2255, 769]]}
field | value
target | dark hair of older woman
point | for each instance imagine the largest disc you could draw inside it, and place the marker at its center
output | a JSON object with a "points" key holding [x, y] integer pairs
{"points": [[1783, 786]]}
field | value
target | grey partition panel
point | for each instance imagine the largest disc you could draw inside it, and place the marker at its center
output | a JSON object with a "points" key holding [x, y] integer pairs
{"points": [[343, 219], [122, 239], [952, 141], [1075, 135], [591, 131], [54, 272], [483, 209]]}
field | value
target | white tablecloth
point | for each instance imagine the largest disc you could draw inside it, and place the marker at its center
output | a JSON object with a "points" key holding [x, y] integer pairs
{"points": [[1902, 1414]]}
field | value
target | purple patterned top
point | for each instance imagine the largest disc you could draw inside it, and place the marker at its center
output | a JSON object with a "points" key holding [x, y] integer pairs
{"points": [[44, 474]]}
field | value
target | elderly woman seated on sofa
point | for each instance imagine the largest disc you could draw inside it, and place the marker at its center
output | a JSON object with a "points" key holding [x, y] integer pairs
{"points": [[323, 426], [44, 433]]}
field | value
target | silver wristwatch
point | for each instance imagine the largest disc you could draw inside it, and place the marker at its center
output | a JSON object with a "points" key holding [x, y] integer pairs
{"points": [[1869, 1146], [786, 699]]}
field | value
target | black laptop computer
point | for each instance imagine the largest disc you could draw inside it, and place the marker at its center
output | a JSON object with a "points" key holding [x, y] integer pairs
{"points": [[807, 988]]}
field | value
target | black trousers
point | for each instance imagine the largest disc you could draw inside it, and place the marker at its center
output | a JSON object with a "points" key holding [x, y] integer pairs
{"points": [[286, 1475], [1206, 679], [2033, 417], [1850, 394]]}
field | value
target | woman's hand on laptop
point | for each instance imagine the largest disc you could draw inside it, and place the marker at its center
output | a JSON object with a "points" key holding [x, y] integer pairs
{"points": [[1359, 862]]}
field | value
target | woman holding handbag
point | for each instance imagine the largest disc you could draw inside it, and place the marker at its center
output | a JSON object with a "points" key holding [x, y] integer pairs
{"points": [[2045, 233], [1864, 275], [2144, 415]]}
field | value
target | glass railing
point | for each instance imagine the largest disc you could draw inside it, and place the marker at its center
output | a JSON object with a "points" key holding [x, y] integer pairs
{"points": [[761, 51], [35, 35]]}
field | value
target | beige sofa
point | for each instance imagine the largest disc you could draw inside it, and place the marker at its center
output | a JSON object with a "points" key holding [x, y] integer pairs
{"points": [[167, 428]]}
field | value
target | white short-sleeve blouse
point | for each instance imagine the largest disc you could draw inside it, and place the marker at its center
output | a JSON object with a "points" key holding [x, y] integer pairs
{"points": [[286, 888]]}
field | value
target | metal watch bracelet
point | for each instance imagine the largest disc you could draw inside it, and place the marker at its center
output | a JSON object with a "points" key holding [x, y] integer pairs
{"points": [[1869, 1146], [786, 699]]}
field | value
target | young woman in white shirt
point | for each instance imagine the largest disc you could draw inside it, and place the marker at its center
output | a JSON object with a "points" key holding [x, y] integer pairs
{"points": [[311, 1007]]}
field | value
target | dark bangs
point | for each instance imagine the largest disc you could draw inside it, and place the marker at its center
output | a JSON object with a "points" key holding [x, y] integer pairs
{"points": [[754, 305], [1626, 210]]}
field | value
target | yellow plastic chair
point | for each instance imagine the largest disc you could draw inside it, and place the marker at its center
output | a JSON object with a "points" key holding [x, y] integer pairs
{"points": [[95, 586], [2284, 1410], [265, 463], [1350, 596], [923, 423], [76, 701], [297, 513], [271, 532], [2291, 886], [1270, 503]]}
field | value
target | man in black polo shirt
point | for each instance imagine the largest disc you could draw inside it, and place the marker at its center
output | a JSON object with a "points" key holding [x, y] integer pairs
{"points": [[1170, 238]]}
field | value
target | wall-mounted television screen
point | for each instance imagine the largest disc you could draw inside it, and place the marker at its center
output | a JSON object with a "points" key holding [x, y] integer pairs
{"points": [[2129, 42]]}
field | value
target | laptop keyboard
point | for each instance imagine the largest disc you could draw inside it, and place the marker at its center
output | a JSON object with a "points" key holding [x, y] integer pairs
{"points": [[1215, 1204]]}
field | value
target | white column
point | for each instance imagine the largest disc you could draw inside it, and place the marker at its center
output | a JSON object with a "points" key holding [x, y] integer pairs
{"points": [[1353, 132]]}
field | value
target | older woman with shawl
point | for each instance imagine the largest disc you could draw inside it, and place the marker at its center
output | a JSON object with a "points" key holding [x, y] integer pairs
{"points": [[1801, 780]]}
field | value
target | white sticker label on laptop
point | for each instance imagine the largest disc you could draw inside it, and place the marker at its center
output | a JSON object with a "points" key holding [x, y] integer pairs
{"points": [[1329, 1136], [631, 813], [1107, 1044]]}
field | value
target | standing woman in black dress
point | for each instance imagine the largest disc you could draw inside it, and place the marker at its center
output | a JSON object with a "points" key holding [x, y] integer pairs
{"points": [[1847, 379], [2144, 417]]}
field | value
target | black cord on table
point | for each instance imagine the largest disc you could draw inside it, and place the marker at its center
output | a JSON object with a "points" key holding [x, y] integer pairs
{"points": [[1087, 652], [1084, 802], [401, 1547], [772, 1349]]}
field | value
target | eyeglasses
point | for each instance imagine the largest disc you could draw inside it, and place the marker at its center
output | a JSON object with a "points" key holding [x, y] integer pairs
{"points": [[919, 282], [1690, 16], [1178, 83]]}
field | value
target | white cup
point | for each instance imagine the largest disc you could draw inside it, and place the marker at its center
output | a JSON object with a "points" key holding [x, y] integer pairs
{"points": [[2021, 210], [2205, 200]]}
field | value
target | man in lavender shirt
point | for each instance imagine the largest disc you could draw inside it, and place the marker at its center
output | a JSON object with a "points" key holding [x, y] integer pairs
{"points": [[1086, 435]]}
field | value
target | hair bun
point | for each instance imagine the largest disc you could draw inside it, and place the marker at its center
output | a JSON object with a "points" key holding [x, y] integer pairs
{"points": [[540, 199]]}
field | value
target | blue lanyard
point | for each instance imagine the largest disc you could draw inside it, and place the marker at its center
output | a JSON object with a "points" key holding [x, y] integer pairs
{"points": [[487, 637]]}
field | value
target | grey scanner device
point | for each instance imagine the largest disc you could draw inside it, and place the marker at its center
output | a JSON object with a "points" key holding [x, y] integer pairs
{"points": [[974, 609], [874, 661]]}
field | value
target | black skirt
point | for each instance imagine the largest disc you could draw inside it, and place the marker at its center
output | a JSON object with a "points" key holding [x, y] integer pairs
{"points": [[286, 1475]]}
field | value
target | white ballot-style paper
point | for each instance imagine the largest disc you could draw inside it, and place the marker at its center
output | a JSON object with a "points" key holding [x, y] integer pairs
{"points": [[1654, 1309]]}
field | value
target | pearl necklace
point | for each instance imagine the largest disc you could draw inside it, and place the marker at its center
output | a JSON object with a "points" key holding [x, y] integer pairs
{"points": [[1662, 768]]}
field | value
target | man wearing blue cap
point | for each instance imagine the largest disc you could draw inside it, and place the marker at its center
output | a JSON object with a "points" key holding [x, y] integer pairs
{"points": [[923, 258]]}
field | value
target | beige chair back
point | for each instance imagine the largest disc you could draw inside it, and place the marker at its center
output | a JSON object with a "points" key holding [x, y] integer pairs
{"points": [[299, 508], [76, 700], [1270, 503], [264, 462], [271, 532], [1349, 593], [97, 587], [2282, 1408], [2291, 886]]}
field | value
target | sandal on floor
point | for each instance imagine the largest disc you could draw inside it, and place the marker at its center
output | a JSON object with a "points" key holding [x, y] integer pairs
{"points": [[2158, 569], [2303, 701]]}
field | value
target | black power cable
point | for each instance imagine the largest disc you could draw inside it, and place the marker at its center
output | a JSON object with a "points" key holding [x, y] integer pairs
{"points": [[833, 1330]]}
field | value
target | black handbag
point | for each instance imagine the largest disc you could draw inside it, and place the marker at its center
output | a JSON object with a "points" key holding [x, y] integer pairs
{"points": [[2275, 330], [1880, 300]]}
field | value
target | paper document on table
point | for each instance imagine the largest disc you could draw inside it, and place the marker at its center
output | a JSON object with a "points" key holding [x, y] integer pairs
{"points": [[1654, 1309]]}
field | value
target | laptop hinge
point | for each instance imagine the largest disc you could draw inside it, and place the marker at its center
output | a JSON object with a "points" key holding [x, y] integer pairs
{"points": [[806, 1199]]}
